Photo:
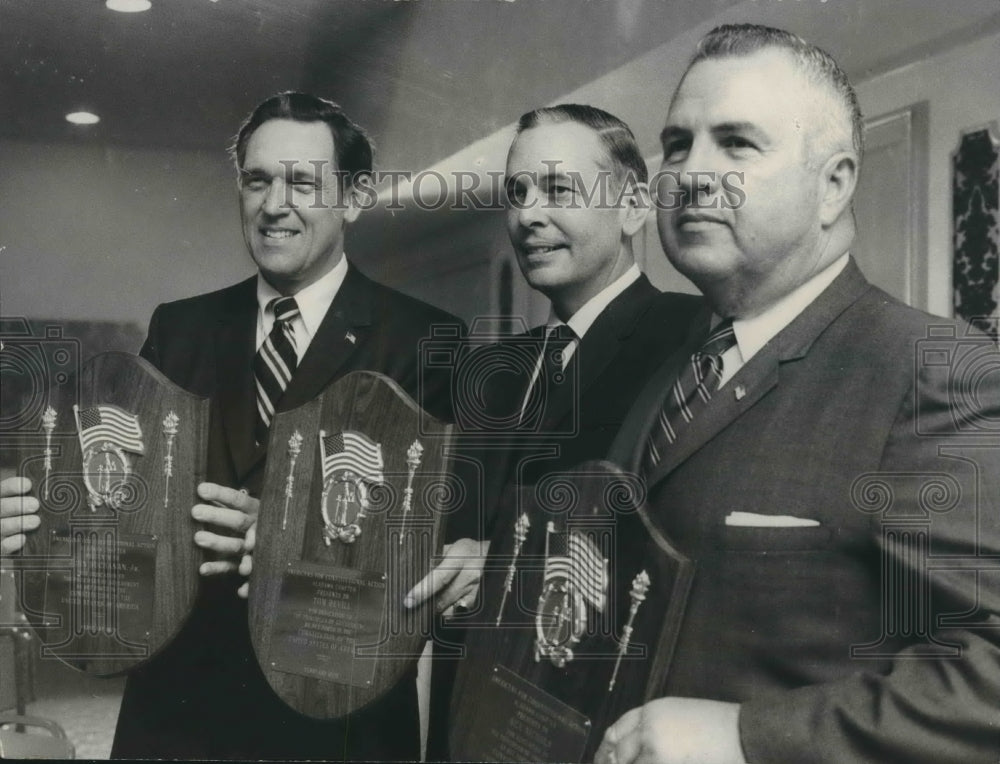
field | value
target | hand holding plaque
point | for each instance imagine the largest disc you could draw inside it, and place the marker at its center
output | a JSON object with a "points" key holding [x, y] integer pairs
{"points": [[111, 574], [354, 491]]}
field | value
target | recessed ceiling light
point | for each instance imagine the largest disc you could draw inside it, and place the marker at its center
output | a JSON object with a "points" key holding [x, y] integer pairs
{"points": [[82, 118], [129, 6]]}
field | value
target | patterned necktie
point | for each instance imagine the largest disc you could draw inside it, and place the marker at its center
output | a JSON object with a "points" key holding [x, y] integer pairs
{"points": [[690, 392], [550, 374], [275, 363]]}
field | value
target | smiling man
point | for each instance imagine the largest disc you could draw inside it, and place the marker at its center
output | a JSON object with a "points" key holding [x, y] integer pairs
{"points": [[270, 343], [577, 194], [831, 457]]}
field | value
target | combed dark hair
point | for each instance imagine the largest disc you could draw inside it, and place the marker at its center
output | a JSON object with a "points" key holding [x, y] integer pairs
{"points": [[616, 136], [734, 40], [352, 147]]}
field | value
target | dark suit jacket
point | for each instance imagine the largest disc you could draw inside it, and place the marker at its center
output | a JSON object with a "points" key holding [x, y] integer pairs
{"points": [[204, 696], [581, 418], [868, 636], [583, 413]]}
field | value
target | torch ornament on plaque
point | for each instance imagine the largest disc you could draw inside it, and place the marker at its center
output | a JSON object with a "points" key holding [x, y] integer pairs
{"points": [[49, 425], [170, 423], [640, 586], [294, 449], [413, 454], [520, 534]]}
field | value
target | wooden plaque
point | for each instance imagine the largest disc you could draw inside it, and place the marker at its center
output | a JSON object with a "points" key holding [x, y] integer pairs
{"points": [[578, 615], [355, 488], [112, 572]]}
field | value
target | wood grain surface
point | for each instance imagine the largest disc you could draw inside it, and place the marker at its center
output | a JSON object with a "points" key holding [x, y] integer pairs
{"points": [[599, 501], [376, 406], [124, 619]]}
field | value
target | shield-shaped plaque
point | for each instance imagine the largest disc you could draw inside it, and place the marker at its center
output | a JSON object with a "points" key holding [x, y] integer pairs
{"points": [[355, 488], [111, 574], [580, 606]]}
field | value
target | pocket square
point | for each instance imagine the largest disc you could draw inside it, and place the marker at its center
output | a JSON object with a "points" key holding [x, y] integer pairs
{"points": [[753, 520]]}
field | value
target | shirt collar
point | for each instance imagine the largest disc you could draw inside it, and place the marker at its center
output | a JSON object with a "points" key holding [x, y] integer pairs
{"points": [[754, 333], [313, 301], [583, 319]]}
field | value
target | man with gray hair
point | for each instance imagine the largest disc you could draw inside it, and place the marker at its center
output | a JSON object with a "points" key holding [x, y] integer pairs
{"points": [[813, 449]]}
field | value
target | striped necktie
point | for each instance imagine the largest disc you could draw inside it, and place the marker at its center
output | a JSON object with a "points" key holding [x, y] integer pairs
{"points": [[275, 363], [689, 394]]}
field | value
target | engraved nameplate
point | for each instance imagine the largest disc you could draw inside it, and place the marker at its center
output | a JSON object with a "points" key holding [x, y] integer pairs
{"points": [[106, 588], [324, 615], [517, 721]]}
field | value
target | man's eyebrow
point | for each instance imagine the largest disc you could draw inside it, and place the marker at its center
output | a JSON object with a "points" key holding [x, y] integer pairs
{"points": [[672, 131], [729, 128], [299, 172]]}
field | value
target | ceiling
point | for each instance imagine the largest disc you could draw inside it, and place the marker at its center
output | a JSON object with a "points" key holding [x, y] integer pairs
{"points": [[425, 77], [184, 74]]}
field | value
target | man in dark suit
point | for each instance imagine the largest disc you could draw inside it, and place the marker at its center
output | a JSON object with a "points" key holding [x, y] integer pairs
{"points": [[834, 470], [555, 397], [302, 165]]}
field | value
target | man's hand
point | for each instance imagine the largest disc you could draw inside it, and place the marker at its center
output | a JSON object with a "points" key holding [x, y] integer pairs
{"points": [[675, 731], [17, 514], [226, 510], [246, 562], [455, 581]]}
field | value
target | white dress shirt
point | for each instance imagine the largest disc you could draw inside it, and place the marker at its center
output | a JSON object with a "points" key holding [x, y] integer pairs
{"points": [[580, 322], [754, 333], [313, 301]]}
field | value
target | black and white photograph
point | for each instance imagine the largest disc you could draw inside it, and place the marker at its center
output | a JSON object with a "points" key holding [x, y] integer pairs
{"points": [[607, 381]]}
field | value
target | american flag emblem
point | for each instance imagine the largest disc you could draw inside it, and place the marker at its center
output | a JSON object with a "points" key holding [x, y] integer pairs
{"points": [[575, 558], [352, 451], [106, 422]]}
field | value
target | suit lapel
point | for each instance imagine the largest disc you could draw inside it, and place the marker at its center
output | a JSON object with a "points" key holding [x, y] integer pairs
{"points": [[234, 340], [601, 344], [349, 316], [752, 382], [344, 329]]}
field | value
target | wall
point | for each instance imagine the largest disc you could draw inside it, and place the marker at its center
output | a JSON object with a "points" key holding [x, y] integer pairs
{"points": [[105, 234], [960, 87]]}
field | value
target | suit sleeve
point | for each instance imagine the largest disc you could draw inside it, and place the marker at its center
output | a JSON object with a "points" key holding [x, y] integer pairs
{"points": [[938, 534], [151, 347]]}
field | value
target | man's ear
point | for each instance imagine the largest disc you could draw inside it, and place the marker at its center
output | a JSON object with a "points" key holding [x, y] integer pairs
{"points": [[359, 196], [635, 203], [838, 180]]}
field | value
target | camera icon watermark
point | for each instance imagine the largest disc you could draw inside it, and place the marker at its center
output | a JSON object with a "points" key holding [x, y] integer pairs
{"points": [[499, 381], [32, 367], [965, 366]]}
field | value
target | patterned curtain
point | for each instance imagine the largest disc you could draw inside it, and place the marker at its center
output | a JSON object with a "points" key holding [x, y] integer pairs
{"points": [[976, 213]]}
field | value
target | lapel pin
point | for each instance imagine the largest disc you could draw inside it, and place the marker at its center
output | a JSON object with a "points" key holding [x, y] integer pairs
{"points": [[351, 338], [740, 392]]}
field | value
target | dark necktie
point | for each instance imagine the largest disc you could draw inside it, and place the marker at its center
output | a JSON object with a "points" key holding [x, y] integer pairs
{"points": [[690, 392], [550, 375], [275, 363]]}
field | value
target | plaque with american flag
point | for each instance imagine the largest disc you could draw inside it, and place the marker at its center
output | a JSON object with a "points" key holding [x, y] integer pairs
{"points": [[581, 602], [350, 519], [113, 567]]}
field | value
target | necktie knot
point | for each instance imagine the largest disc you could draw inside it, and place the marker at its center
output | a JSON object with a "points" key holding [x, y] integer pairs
{"points": [[720, 340], [285, 309], [696, 381], [556, 342]]}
